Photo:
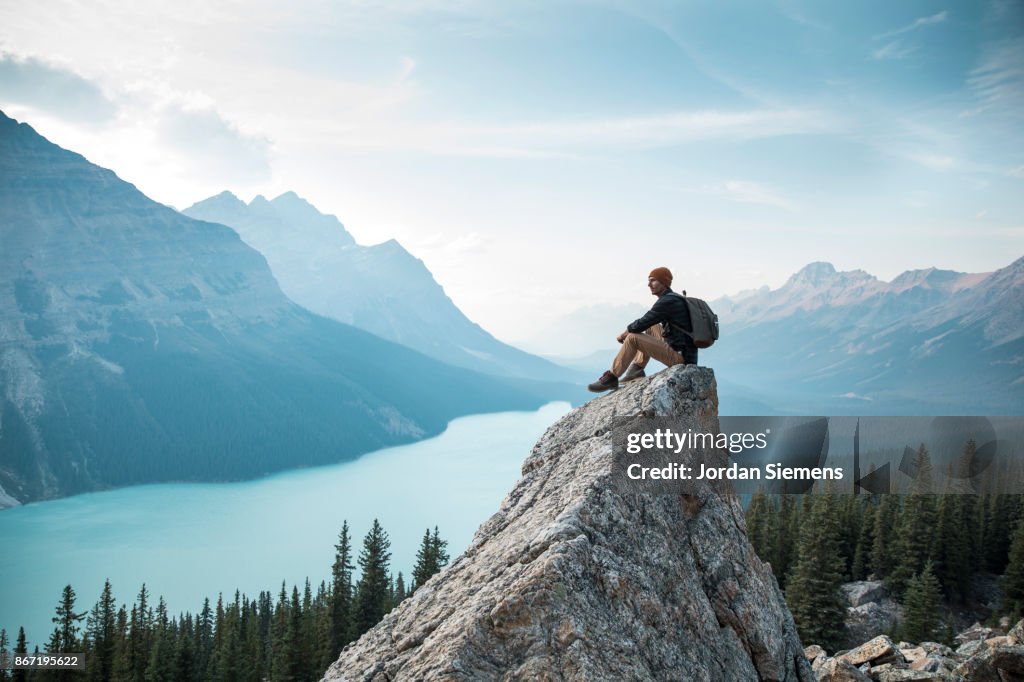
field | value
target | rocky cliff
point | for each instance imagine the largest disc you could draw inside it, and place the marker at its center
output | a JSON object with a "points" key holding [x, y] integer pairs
{"points": [[571, 580]]}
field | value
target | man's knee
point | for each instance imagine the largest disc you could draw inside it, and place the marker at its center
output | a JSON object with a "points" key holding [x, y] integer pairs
{"points": [[633, 338]]}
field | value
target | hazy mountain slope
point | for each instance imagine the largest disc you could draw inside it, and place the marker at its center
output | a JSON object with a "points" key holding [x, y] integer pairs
{"points": [[930, 341], [137, 344], [383, 288]]}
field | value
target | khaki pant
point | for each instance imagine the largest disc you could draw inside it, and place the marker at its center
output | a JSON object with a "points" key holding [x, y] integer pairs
{"points": [[640, 348]]}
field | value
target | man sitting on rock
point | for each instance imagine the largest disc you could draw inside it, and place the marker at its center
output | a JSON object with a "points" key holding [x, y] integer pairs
{"points": [[662, 334]]}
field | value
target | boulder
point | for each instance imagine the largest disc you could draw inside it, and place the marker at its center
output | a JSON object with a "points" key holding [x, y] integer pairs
{"points": [[976, 632], [838, 670], [864, 591], [1009, 659], [900, 675], [971, 648], [878, 651], [979, 668], [936, 648], [1016, 633], [867, 620]]}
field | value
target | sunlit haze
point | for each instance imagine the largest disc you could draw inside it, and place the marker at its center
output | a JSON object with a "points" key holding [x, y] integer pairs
{"points": [[542, 157]]}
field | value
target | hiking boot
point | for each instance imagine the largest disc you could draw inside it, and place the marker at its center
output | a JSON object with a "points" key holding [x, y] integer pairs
{"points": [[634, 371], [607, 382]]}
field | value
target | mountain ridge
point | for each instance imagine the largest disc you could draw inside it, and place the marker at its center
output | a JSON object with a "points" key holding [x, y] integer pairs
{"points": [[929, 342], [382, 288], [140, 345]]}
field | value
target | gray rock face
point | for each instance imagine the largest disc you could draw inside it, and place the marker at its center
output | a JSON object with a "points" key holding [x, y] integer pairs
{"points": [[864, 591], [868, 619], [569, 580]]}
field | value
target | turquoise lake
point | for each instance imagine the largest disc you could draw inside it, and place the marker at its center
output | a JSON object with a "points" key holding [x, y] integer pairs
{"points": [[190, 541]]}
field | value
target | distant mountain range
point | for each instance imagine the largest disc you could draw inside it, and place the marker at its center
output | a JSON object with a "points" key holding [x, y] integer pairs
{"points": [[928, 342], [140, 345], [383, 288]]}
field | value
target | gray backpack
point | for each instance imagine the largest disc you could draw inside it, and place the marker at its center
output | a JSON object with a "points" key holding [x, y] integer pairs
{"points": [[703, 319]]}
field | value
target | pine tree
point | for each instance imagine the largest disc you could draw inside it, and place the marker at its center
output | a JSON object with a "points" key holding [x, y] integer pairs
{"points": [[1013, 580], [160, 667], [865, 540], [266, 626], [372, 590], [440, 548], [849, 530], [949, 554], [294, 655], [227, 651], [431, 557], [204, 639], [997, 546], [882, 559], [287, 665], [390, 602], [757, 524], [252, 644], [185, 651], [921, 604], [121, 667], [52, 646], [812, 589], [279, 637], [140, 636], [323, 628], [20, 649], [101, 629], [5, 675], [916, 527], [400, 593], [425, 562], [786, 535], [307, 636], [67, 623], [341, 594]]}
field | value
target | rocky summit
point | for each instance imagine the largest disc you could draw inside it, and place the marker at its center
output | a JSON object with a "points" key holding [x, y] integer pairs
{"points": [[571, 580]]}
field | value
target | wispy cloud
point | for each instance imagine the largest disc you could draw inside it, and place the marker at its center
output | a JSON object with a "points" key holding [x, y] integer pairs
{"points": [[52, 88], [407, 67], [746, 192], [914, 25], [893, 50], [899, 49], [583, 137], [936, 162], [998, 80]]}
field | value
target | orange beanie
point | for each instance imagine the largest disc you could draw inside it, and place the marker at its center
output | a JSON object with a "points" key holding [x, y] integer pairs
{"points": [[663, 275]]}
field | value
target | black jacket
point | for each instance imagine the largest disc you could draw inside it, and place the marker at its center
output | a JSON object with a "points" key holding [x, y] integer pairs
{"points": [[671, 311]]}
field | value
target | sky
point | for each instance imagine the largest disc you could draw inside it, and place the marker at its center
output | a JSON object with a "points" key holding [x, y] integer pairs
{"points": [[542, 157]]}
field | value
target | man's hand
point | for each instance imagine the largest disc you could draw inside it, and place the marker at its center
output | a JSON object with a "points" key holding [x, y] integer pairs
{"points": [[621, 337]]}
